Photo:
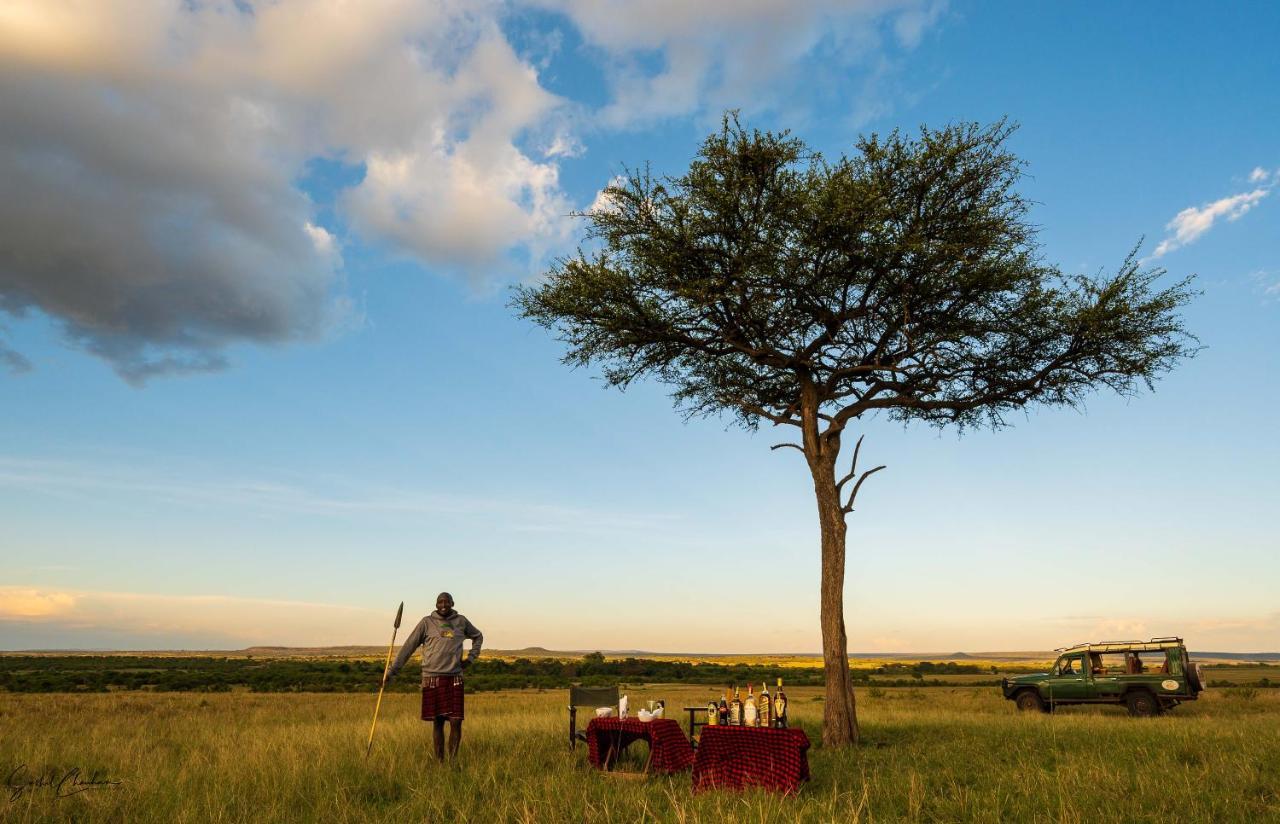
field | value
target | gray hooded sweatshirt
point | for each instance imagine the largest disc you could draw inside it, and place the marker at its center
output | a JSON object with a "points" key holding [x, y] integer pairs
{"points": [[441, 642]]}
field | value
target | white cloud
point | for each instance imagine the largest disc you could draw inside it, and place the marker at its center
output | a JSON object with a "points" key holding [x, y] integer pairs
{"points": [[337, 498], [1258, 175], [321, 238], [23, 602], [1268, 283], [602, 202], [667, 58], [1192, 222]]}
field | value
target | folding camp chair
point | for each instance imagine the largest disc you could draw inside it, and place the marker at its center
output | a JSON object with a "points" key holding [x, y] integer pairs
{"points": [[590, 697]]}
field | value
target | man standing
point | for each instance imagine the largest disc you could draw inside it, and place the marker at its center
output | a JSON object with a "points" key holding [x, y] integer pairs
{"points": [[440, 635]]}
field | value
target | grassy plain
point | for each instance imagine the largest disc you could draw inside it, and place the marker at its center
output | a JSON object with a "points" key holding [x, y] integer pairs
{"points": [[944, 754]]}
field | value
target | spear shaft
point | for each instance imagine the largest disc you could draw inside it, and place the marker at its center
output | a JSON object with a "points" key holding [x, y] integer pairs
{"points": [[383, 685]]}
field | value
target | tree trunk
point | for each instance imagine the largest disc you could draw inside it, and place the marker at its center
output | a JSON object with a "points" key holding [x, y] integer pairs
{"points": [[839, 716]]}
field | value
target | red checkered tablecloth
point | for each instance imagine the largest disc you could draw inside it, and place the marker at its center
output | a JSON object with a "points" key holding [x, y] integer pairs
{"points": [[669, 750], [733, 758]]}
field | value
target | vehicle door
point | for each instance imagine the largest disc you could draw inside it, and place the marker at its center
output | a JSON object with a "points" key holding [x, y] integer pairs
{"points": [[1068, 679], [1108, 670]]}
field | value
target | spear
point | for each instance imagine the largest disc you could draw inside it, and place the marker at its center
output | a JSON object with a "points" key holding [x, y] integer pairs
{"points": [[383, 685]]}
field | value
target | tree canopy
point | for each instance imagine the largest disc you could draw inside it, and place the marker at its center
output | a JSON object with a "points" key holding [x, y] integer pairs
{"points": [[905, 278]]}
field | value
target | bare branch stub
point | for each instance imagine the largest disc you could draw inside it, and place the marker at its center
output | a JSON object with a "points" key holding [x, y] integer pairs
{"points": [[792, 445], [854, 467], [853, 495]]}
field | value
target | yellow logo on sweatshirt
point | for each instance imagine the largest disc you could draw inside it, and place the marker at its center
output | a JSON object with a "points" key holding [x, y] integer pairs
{"points": [[446, 633]]}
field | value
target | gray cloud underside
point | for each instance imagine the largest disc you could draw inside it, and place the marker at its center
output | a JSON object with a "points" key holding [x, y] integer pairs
{"points": [[144, 225]]}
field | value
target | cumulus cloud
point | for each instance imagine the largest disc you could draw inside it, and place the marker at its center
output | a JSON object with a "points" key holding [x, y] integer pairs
{"points": [[1258, 175], [151, 151], [1192, 222], [667, 58]]}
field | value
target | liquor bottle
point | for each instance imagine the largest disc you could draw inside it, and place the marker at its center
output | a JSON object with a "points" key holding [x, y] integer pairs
{"points": [[780, 706], [713, 713], [723, 709], [735, 708], [749, 709], [765, 710]]}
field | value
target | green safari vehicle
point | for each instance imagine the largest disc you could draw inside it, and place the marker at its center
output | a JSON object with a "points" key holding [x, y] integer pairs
{"points": [[1148, 677]]}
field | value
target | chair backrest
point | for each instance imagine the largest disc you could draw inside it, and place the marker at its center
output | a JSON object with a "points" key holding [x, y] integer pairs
{"points": [[593, 696]]}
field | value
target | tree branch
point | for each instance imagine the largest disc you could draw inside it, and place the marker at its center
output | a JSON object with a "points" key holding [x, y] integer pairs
{"points": [[852, 469], [848, 507], [792, 445]]}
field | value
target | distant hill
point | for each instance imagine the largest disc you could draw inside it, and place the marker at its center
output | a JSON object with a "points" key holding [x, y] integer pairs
{"points": [[1268, 657], [788, 658]]}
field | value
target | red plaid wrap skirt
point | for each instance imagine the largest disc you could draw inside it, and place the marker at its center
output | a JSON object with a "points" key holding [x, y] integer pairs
{"points": [[441, 696]]}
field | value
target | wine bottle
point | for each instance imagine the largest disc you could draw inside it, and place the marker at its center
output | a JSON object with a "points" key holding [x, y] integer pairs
{"points": [[780, 706], [765, 711], [735, 708], [749, 709]]}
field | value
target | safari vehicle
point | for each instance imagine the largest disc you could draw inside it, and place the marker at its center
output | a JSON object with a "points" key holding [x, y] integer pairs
{"points": [[1148, 677]]}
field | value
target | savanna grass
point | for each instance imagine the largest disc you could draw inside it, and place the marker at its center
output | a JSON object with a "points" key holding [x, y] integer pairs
{"points": [[928, 755]]}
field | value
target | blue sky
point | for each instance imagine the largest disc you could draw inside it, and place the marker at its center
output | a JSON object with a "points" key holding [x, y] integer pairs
{"points": [[263, 383]]}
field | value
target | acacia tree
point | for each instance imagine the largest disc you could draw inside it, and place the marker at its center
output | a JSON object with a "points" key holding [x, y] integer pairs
{"points": [[905, 279]]}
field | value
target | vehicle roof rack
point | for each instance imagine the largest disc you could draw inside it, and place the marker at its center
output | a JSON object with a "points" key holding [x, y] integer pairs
{"points": [[1163, 642]]}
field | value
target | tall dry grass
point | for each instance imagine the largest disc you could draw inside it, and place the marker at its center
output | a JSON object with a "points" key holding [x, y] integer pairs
{"points": [[929, 755]]}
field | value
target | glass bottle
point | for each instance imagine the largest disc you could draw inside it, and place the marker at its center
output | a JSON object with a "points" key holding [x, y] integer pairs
{"points": [[765, 711], [749, 708], [735, 708], [780, 706]]}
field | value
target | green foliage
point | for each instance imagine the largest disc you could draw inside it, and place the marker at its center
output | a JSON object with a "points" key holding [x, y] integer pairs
{"points": [[207, 674], [905, 278]]}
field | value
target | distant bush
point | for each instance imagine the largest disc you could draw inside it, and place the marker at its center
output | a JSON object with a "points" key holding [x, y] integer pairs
{"points": [[91, 673]]}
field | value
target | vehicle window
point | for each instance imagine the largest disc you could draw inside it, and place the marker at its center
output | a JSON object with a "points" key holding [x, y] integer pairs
{"points": [[1071, 665], [1152, 662], [1113, 663], [1174, 661]]}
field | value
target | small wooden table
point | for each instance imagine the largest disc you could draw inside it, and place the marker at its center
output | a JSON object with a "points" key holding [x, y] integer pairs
{"points": [[669, 750]]}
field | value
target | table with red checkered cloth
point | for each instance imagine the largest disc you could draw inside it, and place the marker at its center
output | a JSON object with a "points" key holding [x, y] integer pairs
{"points": [[732, 758], [669, 750]]}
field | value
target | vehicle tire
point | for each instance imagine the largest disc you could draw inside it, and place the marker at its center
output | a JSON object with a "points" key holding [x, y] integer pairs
{"points": [[1142, 704], [1195, 676], [1029, 700]]}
